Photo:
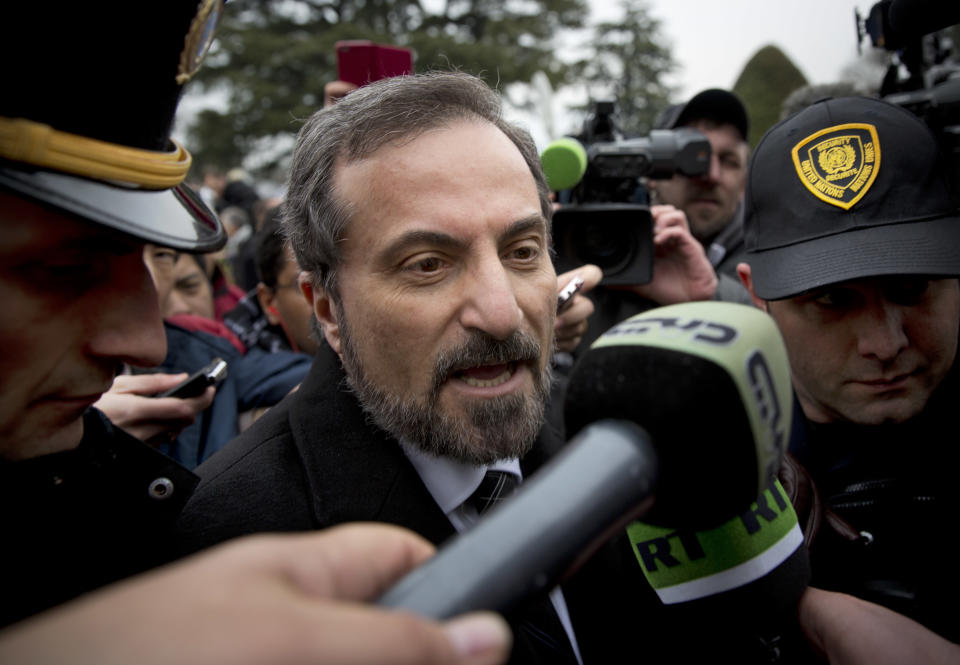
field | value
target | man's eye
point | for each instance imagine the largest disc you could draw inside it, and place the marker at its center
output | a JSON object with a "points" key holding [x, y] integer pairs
{"points": [[165, 255], [730, 162], [428, 264], [524, 253], [908, 291], [834, 298]]}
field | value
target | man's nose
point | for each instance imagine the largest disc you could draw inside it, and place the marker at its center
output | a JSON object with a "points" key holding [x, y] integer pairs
{"points": [[127, 326], [490, 301], [881, 333]]}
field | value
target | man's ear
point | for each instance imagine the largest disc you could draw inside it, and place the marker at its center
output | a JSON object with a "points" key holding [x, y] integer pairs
{"points": [[746, 276], [266, 296], [324, 308]]}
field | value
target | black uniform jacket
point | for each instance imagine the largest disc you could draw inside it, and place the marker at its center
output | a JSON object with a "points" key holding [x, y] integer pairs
{"points": [[76, 520]]}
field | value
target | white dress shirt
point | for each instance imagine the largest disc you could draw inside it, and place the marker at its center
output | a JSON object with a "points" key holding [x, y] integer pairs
{"points": [[450, 483]]}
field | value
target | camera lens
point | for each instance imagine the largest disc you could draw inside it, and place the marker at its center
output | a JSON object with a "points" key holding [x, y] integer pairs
{"points": [[609, 246]]}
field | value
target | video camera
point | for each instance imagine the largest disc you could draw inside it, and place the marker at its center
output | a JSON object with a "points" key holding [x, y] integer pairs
{"points": [[930, 85], [603, 217]]}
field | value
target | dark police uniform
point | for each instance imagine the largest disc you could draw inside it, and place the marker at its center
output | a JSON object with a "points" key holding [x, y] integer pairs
{"points": [[895, 489], [89, 98], [75, 520]]}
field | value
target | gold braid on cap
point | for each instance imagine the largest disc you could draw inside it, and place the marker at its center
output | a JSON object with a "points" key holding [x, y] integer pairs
{"points": [[41, 145]]}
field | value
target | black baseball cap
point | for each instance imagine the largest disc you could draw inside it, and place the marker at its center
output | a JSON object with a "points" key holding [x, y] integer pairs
{"points": [[713, 104], [848, 188], [90, 94]]}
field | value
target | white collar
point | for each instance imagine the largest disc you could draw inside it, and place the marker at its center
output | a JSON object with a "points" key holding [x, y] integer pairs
{"points": [[451, 482]]}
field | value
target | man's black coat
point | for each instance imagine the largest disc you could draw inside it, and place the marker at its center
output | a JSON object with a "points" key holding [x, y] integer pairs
{"points": [[315, 461]]}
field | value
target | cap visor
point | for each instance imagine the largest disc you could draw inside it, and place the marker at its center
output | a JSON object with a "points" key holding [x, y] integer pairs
{"points": [[911, 248], [174, 217]]}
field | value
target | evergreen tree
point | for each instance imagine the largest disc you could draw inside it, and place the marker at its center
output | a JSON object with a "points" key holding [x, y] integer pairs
{"points": [[766, 80], [629, 57], [271, 58]]}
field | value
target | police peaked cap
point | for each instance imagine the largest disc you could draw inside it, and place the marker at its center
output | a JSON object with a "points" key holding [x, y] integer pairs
{"points": [[89, 95]]}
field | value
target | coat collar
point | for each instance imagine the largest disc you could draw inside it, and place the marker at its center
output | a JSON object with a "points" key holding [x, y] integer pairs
{"points": [[354, 470]]}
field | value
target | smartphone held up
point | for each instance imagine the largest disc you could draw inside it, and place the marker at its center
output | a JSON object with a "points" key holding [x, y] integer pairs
{"points": [[361, 61]]}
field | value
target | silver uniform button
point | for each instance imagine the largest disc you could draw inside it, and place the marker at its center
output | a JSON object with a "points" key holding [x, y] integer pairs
{"points": [[161, 488]]}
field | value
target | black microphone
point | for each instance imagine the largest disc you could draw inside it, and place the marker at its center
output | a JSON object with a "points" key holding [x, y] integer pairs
{"points": [[904, 21], [730, 563], [710, 382], [600, 481], [605, 476]]}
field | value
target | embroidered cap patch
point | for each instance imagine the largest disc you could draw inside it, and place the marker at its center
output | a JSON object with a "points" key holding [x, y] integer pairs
{"points": [[839, 164]]}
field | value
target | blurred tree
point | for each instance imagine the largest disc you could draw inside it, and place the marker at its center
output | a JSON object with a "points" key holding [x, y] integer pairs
{"points": [[766, 80], [629, 57], [271, 58]]}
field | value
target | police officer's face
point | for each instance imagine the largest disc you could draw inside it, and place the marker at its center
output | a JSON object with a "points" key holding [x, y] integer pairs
{"points": [[78, 302], [710, 200], [870, 351]]}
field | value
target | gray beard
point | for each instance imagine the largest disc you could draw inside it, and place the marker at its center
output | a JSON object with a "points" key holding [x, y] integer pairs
{"points": [[503, 427]]}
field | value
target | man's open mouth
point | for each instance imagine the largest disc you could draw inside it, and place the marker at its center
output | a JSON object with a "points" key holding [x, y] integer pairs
{"points": [[486, 376]]}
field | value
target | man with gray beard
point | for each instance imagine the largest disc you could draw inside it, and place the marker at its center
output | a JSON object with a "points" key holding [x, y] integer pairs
{"points": [[421, 220]]}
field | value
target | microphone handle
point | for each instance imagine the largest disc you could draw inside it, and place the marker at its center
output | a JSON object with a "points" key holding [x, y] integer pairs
{"points": [[602, 480]]}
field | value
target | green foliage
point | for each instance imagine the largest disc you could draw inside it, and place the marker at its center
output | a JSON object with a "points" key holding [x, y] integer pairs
{"points": [[766, 80], [629, 54], [272, 58]]}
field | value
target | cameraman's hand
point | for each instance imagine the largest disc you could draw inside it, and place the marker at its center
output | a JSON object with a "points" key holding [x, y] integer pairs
{"points": [[850, 631], [571, 324], [290, 599], [129, 406], [681, 270]]}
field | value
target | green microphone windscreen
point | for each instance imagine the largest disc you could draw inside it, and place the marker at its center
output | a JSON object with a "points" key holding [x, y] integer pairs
{"points": [[564, 163]]}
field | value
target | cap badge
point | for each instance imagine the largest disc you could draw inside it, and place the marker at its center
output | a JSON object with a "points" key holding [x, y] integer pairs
{"points": [[839, 164], [198, 40]]}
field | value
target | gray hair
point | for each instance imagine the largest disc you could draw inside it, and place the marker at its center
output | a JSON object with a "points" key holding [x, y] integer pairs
{"points": [[353, 128]]}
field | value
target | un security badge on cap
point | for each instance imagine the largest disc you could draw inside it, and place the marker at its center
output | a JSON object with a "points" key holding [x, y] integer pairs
{"points": [[839, 164]]}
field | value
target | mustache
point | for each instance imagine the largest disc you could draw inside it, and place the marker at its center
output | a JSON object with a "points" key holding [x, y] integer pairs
{"points": [[483, 349]]}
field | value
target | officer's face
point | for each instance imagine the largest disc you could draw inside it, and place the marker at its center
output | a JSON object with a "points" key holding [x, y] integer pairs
{"points": [[79, 302], [710, 200], [870, 351]]}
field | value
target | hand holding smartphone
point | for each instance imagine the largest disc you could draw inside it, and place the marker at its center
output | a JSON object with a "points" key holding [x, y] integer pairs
{"points": [[565, 297], [196, 383]]}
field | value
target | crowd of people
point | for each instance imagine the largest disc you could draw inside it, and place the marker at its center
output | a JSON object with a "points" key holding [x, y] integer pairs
{"points": [[391, 330]]}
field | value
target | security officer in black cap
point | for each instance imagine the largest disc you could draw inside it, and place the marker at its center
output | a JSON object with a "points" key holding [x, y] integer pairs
{"points": [[853, 247], [88, 177]]}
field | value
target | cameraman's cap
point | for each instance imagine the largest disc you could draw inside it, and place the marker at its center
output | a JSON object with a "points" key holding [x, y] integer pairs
{"points": [[845, 189], [713, 104], [90, 93]]}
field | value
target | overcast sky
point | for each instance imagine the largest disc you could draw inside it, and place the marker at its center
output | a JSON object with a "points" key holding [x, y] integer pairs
{"points": [[713, 39]]}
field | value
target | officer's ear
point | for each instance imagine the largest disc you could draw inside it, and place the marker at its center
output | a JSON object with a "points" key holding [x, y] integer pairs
{"points": [[324, 308], [746, 276]]}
